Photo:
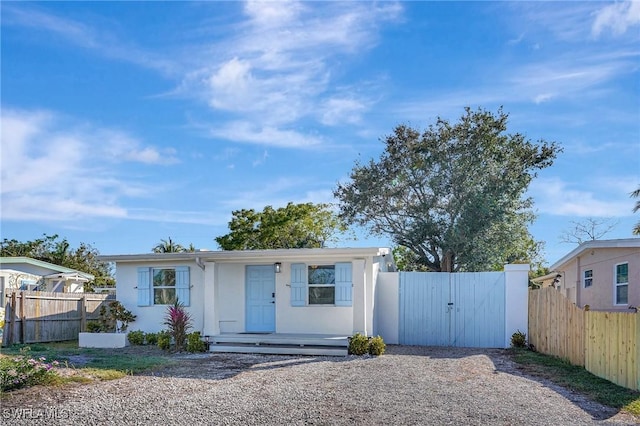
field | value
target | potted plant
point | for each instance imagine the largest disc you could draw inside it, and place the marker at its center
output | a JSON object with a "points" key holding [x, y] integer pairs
{"points": [[110, 329]]}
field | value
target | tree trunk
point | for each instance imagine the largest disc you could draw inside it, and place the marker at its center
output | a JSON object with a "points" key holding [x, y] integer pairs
{"points": [[448, 258]]}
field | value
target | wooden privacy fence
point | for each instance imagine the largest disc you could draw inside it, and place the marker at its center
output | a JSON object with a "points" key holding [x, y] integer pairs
{"points": [[607, 344], [35, 316]]}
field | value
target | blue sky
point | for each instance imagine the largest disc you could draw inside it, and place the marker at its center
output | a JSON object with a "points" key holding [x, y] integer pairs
{"points": [[124, 123]]}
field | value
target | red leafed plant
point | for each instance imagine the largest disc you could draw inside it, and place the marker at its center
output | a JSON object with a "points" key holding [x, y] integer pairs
{"points": [[178, 320]]}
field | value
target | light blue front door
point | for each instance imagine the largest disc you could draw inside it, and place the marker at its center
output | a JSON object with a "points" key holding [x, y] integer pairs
{"points": [[260, 299]]}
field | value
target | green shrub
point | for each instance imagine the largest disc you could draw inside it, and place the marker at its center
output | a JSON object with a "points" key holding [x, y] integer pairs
{"points": [[94, 327], [195, 343], [24, 370], [164, 340], [518, 339], [136, 337], [151, 338], [358, 344], [376, 346]]}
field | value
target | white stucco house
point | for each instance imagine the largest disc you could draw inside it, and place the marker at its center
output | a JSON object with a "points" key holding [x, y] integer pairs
{"points": [[315, 298], [327, 291]]}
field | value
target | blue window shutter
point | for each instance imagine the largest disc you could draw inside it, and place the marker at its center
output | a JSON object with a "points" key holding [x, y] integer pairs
{"points": [[298, 284], [144, 286], [344, 284], [183, 285]]}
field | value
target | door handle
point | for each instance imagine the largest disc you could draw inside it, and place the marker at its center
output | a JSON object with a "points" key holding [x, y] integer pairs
{"points": [[273, 295]]}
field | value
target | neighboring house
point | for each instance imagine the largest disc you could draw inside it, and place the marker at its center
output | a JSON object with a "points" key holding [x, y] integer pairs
{"points": [[25, 273], [604, 274], [298, 291]]}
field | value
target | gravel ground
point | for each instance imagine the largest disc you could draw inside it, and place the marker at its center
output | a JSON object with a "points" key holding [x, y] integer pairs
{"points": [[408, 385]]}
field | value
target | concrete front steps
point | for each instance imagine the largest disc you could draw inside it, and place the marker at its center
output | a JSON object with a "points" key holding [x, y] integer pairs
{"points": [[280, 344]]}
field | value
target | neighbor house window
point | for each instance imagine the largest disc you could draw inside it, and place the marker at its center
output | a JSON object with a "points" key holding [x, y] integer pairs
{"points": [[322, 284], [164, 286], [621, 284], [588, 278]]}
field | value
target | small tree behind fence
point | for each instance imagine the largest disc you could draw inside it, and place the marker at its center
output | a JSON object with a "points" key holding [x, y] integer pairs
{"points": [[607, 344], [35, 316]]}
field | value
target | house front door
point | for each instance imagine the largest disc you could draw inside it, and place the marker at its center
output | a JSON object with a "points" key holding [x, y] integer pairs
{"points": [[260, 299]]}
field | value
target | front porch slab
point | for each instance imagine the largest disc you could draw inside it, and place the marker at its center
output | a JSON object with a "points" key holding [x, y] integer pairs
{"points": [[280, 343]]}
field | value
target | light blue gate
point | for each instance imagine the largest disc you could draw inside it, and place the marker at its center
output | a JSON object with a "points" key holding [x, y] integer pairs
{"points": [[452, 309]]}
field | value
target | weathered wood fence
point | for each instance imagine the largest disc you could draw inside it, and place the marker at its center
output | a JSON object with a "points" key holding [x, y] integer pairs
{"points": [[35, 316], [607, 344]]}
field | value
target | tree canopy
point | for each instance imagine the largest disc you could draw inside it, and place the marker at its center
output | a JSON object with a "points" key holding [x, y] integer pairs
{"points": [[306, 225], [170, 246], [51, 249], [453, 195]]}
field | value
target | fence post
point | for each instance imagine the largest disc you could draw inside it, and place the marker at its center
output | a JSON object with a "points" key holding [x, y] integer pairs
{"points": [[637, 341], [83, 314], [23, 326], [12, 321]]}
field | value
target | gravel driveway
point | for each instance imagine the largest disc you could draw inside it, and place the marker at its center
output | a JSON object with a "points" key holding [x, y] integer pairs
{"points": [[408, 385]]}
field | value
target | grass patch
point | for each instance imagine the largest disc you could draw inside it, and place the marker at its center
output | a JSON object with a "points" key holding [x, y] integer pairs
{"points": [[92, 363], [577, 379]]}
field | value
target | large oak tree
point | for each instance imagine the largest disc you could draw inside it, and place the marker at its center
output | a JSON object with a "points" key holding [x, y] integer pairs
{"points": [[453, 195]]}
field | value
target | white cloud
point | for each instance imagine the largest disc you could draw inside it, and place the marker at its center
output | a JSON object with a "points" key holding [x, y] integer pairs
{"points": [[342, 110], [279, 68], [80, 34], [617, 17], [608, 198], [54, 169], [246, 132]]}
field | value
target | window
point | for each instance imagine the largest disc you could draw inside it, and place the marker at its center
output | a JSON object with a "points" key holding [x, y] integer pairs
{"points": [[588, 278], [322, 284], [28, 285], [164, 286], [621, 284]]}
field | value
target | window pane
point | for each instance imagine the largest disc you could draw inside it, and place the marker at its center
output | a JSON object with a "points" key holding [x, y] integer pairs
{"points": [[164, 277], [622, 273], [588, 273], [164, 296], [322, 274], [621, 294], [322, 295]]}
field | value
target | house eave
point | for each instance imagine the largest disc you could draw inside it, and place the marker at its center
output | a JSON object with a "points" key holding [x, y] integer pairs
{"points": [[42, 264], [249, 255], [596, 244]]}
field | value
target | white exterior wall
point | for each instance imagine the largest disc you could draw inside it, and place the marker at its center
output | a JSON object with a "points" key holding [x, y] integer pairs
{"points": [[387, 307], [150, 319], [310, 319], [229, 297], [516, 308], [218, 296]]}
